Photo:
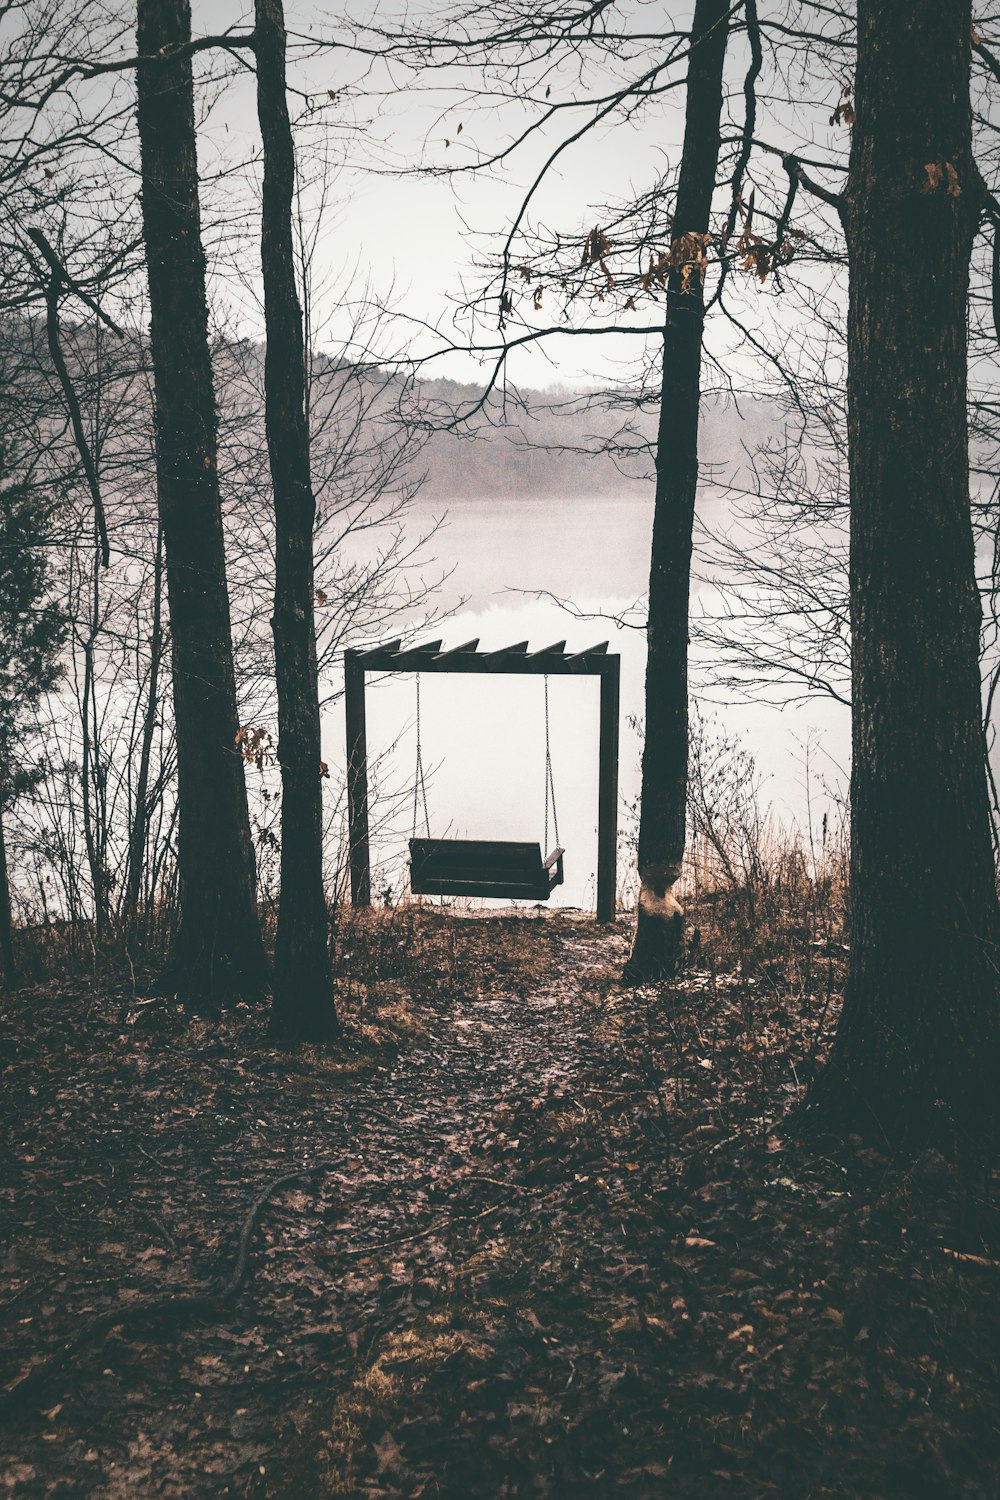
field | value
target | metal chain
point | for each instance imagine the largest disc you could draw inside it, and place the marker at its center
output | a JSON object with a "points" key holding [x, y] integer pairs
{"points": [[419, 784], [550, 786]]}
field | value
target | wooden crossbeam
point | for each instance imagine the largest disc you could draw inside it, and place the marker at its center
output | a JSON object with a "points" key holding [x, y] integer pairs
{"points": [[516, 660], [428, 657]]}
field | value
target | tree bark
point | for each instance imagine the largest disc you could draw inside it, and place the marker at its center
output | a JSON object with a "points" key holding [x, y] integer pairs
{"points": [[140, 816], [217, 953], [303, 1008], [659, 918], [6, 920], [917, 1049], [91, 769]]}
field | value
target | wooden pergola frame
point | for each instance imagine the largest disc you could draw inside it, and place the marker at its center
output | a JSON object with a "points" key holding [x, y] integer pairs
{"points": [[554, 661]]}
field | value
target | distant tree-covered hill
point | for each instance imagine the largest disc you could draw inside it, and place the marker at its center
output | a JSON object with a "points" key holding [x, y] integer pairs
{"points": [[550, 445]]}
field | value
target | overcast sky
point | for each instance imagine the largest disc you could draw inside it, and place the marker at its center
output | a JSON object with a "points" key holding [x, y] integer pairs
{"points": [[416, 240]]}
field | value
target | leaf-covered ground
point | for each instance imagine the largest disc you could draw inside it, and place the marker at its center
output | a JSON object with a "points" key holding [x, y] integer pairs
{"points": [[549, 1240]]}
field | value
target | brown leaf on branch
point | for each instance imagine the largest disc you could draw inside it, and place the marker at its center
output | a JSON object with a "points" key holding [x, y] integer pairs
{"points": [[596, 247], [255, 746], [844, 111], [689, 255], [758, 260], [656, 275]]}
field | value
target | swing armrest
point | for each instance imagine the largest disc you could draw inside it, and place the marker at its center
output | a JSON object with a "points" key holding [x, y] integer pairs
{"points": [[553, 876]]}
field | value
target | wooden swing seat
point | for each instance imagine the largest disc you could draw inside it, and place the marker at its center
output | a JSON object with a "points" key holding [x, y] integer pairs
{"points": [[483, 867]]}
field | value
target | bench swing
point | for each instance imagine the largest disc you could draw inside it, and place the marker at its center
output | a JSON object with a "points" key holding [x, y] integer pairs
{"points": [[504, 870]]}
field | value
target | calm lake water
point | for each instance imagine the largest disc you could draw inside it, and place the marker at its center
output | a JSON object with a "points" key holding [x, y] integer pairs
{"points": [[484, 738]]}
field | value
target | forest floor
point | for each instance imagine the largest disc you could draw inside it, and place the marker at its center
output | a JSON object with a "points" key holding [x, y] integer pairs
{"points": [[547, 1239]]}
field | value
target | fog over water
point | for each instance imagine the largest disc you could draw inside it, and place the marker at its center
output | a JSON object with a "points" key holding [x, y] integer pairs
{"points": [[484, 738]]}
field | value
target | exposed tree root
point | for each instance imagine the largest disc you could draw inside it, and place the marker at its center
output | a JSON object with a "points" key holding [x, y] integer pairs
{"points": [[31, 1381]]}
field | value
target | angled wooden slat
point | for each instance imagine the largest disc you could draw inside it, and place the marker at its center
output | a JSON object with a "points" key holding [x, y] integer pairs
{"points": [[409, 659], [601, 649], [519, 648], [466, 648], [384, 646], [558, 648]]}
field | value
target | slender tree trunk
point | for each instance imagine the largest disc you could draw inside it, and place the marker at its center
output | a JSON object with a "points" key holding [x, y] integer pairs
{"points": [[91, 770], [217, 952], [140, 817], [918, 1046], [303, 985], [665, 750], [6, 919]]}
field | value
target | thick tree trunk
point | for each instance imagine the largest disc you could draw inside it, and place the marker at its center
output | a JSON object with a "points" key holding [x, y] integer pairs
{"points": [[217, 952], [303, 985], [6, 920], [916, 1052], [665, 751]]}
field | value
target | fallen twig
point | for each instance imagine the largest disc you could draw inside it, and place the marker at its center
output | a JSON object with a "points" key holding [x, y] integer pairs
{"points": [[362, 1250], [979, 1262]]}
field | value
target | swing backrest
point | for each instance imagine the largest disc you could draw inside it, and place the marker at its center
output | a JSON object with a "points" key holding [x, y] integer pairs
{"points": [[483, 867]]}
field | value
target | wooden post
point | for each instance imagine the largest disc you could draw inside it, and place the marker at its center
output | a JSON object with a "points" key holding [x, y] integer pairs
{"points": [[607, 794], [357, 779]]}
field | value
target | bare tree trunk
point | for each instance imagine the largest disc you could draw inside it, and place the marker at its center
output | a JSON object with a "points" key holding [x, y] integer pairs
{"points": [[140, 816], [92, 770], [217, 952], [918, 1046], [6, 920], [303, 984], [665, 750]]}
